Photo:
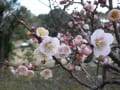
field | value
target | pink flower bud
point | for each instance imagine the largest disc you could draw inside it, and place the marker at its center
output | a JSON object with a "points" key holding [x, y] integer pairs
{"points": [[78, 39], [87, 50], [88, 7]]}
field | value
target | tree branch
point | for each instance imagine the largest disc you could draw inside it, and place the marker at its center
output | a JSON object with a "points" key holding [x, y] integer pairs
{"points": [[114, 58], [107, 82], [73, 76]]}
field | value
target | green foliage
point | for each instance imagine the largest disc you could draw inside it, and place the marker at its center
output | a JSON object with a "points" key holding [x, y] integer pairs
{"points": [[10, 29], [55, 21]]}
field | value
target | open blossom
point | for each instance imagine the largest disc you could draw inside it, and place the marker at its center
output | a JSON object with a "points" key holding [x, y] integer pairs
{"points": [[49, 46], [86, 26], [114, 15], [30, 73], [63, 50], [78, 39], [46, 73], [70, 24], [13, 70], [22, 70], [41, 32], [43, 59], [40, 56], [101, 42]]}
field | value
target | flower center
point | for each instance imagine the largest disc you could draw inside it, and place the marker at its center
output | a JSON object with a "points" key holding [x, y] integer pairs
{"points": [[30, 74], [43, 61], [114, 14], [100, 43], [48, 46], [46, 73]]}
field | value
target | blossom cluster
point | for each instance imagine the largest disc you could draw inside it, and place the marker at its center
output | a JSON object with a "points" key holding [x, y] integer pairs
{"points": [[70, 50], [63, 47]]}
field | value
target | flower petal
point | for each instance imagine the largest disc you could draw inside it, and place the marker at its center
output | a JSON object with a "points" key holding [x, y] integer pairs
{"points": [[97, 34], [104, 52], [108, 38]]}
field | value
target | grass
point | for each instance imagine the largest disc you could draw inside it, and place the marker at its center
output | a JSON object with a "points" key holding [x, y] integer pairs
{"points": [[60, 81]]}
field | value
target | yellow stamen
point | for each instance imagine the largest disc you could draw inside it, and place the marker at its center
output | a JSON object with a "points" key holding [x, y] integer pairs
{"points": [[100, 43]]}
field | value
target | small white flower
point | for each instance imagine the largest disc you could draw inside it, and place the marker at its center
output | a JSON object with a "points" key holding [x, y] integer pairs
{"points": [[41, 32], [30, 73], [40, 56], [22, 70], [101, 42], [70, 24], [60, 35], [46, 73], [13, 70], [49, 46], [114, 15], [86, 26]]}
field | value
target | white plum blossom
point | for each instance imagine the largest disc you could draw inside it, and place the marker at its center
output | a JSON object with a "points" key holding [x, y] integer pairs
{"points": [[43, 59], [114, 15], [30, 73], [22, 70], [101, 42], [13, 71], [63, 51], [46, 73], [41, 31], [70, 24], [49, 46], [40, 56], [63, 61], [86, 26]]}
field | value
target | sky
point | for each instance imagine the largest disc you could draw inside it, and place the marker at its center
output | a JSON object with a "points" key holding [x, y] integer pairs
{"points": [[42, 6]]}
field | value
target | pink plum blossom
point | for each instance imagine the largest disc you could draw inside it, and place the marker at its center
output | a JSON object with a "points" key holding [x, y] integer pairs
{"points": [[22, 70], [86, 49], [63, 50], [78, 39]]}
